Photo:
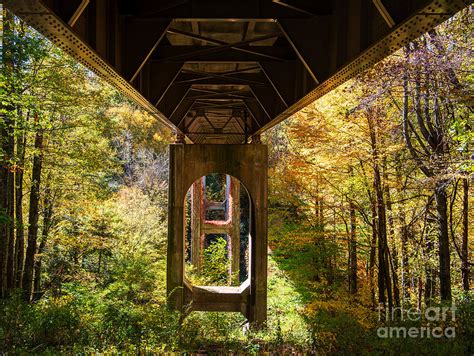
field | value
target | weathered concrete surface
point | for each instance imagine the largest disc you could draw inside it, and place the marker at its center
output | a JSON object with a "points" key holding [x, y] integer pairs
{"points": [[196, 219], [230, 225], [247, 163]]}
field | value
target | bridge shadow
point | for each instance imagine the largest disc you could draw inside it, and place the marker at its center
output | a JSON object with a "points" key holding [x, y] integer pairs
{"points": [[308, 256], [307, 259], [307, 312]]}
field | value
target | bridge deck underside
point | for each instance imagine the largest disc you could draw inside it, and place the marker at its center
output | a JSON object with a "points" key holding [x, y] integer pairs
{"points": [[222, 71]]}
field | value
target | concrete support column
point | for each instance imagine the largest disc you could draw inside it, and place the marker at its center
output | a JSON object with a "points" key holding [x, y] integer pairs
{"points": [[230, 225], [196, 220], [248, 164], [234, 235]]}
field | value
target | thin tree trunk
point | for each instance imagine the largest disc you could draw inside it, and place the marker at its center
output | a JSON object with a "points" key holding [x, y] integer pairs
{"points": [[20, 230], [47, 220], [7, 184], [11, 225], [5, 221], [393, 256], [429, 277], [33, 215], [352, 250], [384, 282], [426, 252], [465, 236], [373, 246], [420, 293], [329, 261], [443, 240], [404, 233]]}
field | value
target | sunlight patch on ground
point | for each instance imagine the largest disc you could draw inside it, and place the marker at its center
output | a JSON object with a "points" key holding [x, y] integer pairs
{"points": [[285, 305], [286, 326]]}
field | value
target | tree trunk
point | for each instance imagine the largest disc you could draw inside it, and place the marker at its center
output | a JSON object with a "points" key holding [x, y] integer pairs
{"points": [[384, 280], [11, 225], [443, 240], [33, 215], [426, 252], [404, 237], [20, 230], [373, 246], [5, 219], [434, 145], [429, 277], [465, 236], [420, 293], [352, 250], [393, 255], [47, 221], [7, 186], [404, 233]]}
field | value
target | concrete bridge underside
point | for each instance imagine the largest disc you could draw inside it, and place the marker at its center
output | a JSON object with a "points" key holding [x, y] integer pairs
{"points": [[222, 72]]}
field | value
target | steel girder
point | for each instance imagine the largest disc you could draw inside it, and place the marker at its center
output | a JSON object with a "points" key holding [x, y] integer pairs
{"points": [[273, 56]]}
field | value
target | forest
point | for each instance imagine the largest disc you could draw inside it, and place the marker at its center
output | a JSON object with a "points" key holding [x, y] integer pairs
{"points": [[370, 212]]}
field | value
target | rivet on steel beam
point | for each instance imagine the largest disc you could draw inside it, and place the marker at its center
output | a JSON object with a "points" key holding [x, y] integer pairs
{"points": [[180, 138], [256, 139]]}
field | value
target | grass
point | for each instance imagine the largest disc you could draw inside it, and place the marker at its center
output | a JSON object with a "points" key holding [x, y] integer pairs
{"points": [[307, 313]]}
